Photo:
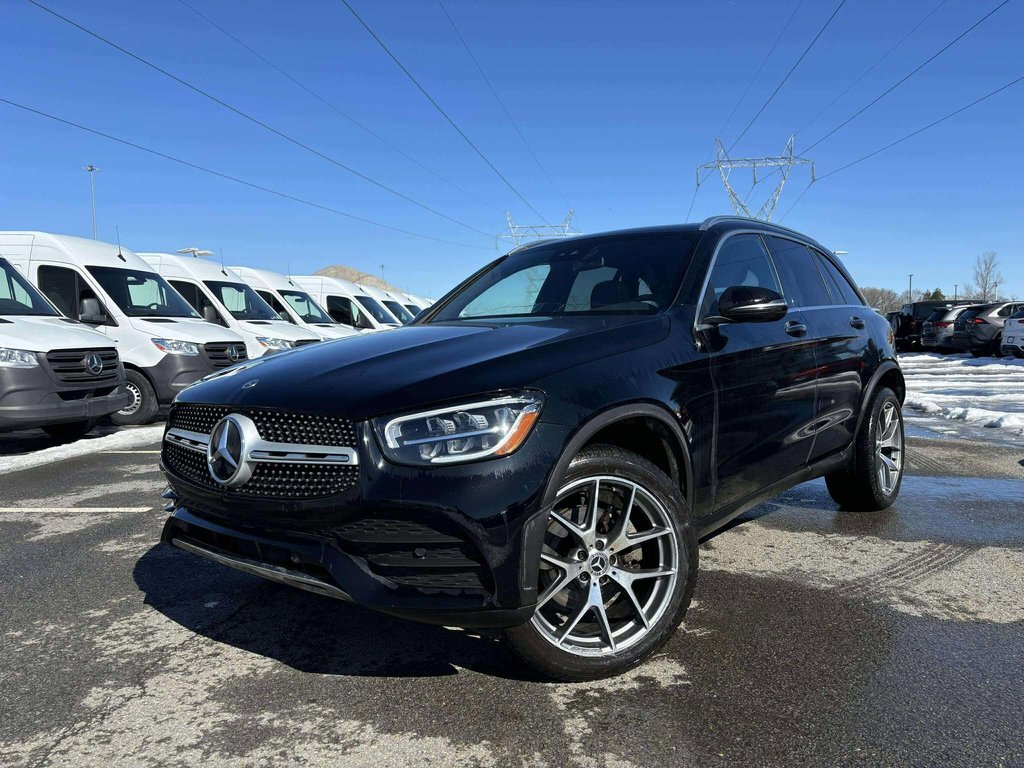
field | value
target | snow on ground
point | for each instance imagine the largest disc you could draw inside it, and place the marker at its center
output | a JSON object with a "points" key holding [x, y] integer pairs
{"points": [[116, 441], [963, 395]]}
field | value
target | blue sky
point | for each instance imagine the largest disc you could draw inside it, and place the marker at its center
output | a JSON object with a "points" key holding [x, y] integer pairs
{"points": [[619, 100]]}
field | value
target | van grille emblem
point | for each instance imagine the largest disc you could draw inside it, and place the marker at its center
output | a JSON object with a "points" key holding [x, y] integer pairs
{"points": [[93, 364]]}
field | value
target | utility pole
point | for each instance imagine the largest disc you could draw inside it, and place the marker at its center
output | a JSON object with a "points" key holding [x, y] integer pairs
{"points": [[91, 169], [783, 164], [910, 290], [382, 274], [517, 233], [956, 287]]}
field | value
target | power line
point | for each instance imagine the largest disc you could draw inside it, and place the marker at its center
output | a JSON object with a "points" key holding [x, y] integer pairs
{"points": [[910, 135], [791, 70], [909, 75], [258, 122], [228, 177], [871, 69], [438, 107], [501, 103], [336, 108]]}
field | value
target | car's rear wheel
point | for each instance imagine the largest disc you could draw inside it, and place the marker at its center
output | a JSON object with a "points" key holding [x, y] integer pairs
{"points": [[873, 478], [617, 570]]}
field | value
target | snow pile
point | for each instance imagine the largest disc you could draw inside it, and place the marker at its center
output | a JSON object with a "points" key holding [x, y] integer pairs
{"points": [[121, 440], [980, 392]]}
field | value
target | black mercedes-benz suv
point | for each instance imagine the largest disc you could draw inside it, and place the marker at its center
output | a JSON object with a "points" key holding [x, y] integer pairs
{"points": [[543, 448]]}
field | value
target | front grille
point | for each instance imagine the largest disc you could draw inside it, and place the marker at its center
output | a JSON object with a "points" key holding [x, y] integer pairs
{"points": [[69, 366], [221, 353], [276, 426], [269, 480], [416, 553]]}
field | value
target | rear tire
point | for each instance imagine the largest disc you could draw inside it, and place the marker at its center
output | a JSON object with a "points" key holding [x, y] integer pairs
{"points": [[144, 404], [68, 433], [613, 586], [872, 480]]}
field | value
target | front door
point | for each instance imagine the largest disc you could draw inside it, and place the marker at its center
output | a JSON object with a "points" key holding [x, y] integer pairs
{"points": [[764, 377]]}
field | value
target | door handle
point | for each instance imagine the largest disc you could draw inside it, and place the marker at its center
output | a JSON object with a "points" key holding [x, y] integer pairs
{"points": [[793, 328], [856, 322]]}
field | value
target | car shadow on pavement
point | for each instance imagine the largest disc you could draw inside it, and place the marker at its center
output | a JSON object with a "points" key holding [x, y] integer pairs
{"points": [[308, 632]]}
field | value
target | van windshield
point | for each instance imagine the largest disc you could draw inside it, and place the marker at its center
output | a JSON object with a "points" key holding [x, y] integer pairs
{"points": [[373, 307], [18, 296], [141, 294], [241, 301], [302, 304], [398, 311], [623, 274]]}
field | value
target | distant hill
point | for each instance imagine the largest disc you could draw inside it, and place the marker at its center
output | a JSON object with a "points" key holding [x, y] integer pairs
{"points": [[355, 276]]}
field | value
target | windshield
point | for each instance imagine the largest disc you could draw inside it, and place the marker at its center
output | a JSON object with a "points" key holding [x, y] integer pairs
{"points": [[302, 304], [624, 274], [141, 294], [398, 311], [241, 301], [18, 296], [378, 312], [413, 309]]}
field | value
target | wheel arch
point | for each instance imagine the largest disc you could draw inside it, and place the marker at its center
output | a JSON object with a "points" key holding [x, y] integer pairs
{"points": [[888, 375]]}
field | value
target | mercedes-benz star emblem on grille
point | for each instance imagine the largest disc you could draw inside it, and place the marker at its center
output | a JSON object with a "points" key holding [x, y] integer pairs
{"points": [[234, 354], [93, 364], [227, 452]]}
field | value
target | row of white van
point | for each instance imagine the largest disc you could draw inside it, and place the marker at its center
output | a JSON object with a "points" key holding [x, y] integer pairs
{"points": [[89, 329]]}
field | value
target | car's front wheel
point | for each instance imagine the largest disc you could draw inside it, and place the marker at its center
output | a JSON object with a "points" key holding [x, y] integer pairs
{"points": [[617, 569], [873, 478]]}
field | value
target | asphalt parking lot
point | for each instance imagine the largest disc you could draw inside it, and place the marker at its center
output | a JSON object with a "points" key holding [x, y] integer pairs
{"points": [[816, 638]]}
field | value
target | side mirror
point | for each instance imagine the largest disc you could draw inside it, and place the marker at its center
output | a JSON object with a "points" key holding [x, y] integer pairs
{"points": [[749, 304], [91, 311], [211, 315], [363, 322]]}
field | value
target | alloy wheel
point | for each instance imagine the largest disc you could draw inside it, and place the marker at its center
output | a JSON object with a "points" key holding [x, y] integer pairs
{"points": [[888, 448], [609, 566]]}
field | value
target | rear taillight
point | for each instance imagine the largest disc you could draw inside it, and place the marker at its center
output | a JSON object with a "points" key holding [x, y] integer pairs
{"points": [[979, 321], [941, 325]]}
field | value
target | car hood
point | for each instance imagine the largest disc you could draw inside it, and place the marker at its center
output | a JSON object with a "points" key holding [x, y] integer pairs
{"points": [[184, 329], [44, 334], [373, 374]]}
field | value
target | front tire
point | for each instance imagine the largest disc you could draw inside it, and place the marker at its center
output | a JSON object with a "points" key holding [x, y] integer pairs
{"points": [[617, 570], [872, 480], [143, 406]]}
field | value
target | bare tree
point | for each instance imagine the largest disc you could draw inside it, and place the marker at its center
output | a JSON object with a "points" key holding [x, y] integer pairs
{"points": [[882, 299], [987, 276]]}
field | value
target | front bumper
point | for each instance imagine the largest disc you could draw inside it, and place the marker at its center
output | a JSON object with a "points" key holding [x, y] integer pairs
{"points": [[34, 397], [176, 372], [456, 545]]}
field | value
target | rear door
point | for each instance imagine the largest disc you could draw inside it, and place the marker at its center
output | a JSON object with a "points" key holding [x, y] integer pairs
{"points": [[764, 379], [836, 319]]}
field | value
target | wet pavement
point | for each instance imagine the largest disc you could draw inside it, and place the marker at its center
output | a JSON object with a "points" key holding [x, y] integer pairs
{"points": [[816, 638]]}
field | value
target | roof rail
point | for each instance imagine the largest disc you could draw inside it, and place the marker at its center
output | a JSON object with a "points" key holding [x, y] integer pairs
{"points": [[532, 243], [712, 220]]}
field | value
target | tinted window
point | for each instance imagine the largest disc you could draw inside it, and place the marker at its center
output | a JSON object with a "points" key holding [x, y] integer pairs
{"points": [[1006, 311], [625, 274], [18, 296], [241, 301], [398, 311], [304, 306], [343, 310], [842, 289], [65, 288], [141, 294], [373, 307], [742, 260], [805, 286], [1018, 315]]}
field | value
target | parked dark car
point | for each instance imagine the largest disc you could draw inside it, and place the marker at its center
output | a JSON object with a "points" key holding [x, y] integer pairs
{"points": [[542, 449], [937, 330], [907, 324], [979, 329]]}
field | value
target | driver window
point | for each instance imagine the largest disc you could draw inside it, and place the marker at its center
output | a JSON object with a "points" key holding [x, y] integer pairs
{"points": [[742, 260], [515, 295]]}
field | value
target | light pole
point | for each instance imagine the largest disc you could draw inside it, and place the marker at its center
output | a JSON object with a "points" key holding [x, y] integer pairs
{"points": [[910, 290], [91, 169], [956, 287], [382, 274]]}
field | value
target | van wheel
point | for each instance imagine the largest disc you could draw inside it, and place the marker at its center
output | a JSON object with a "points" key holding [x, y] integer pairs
{"points": [[873, 478], [617, 569], [68, 433], [143, 406]]}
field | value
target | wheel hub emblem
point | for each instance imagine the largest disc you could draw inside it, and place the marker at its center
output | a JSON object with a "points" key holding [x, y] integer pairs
{"points": [[227, 454], [93, 364], [598, 564]]}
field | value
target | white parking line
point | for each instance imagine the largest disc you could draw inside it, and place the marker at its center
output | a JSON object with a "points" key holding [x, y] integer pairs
{"points": [[64, 510], [129, 452]]}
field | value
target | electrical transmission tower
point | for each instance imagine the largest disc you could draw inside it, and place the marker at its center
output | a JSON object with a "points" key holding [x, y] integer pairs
{"points": [[725, 165], [519, 232]]}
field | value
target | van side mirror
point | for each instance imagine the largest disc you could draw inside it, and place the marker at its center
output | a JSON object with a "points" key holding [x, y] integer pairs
{"points": [[91, 311], [749, 304], [362, 321], [211, 315]]}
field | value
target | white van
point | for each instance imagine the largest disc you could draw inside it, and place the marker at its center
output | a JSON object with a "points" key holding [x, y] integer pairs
{"points": [[391, 303], [347, 303], [221, 296], [414, 305], [292, 303], [54, 373], [164, 344]]}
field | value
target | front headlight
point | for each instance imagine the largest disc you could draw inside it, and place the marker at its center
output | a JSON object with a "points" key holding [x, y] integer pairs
{"points": [[17, 358], [460, 433], [176, 347], [270, 343]]}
